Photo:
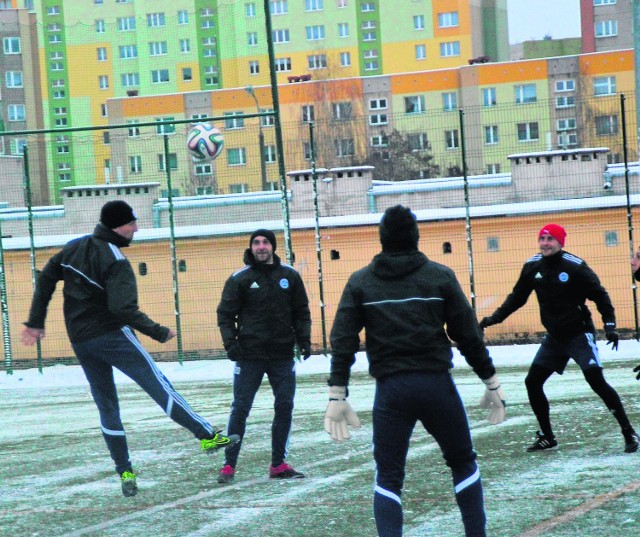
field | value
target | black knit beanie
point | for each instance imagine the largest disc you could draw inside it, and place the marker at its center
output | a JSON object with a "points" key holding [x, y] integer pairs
{"points": [[266, 234], [399, 229], [116, 213]]}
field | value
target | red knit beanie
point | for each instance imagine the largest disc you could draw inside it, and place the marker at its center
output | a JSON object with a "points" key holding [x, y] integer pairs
{"points": [[556, 231]]}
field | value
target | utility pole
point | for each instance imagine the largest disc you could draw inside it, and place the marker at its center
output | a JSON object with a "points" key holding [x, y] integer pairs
{"points": [[263, 168]]}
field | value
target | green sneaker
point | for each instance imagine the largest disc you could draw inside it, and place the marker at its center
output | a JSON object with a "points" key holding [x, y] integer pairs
{"points": [[209, 445], [128, 482]]}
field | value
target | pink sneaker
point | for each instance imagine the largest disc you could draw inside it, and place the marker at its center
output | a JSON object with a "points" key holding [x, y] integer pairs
{"points": [[226, 474], [284, 471]]}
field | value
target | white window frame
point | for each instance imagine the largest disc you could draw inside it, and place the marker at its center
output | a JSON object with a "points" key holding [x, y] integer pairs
{"points": [[158, 48], [418, 22], [449, 19], [450, 49], [527, 129], [280, 36], [607, 28], [156, 20], [414, 104], [378, 104], [238, 154], [450, 101], [452, 139], [278, 7], [317, 61], [421, 52], [13, 79], [525, 93], [345, 59], [282, 65], [604, 85], [566, 124], [565, 85], [343, 29], [491, 136], [160, 76], [11, 45], [375, 120], [315, 32]]}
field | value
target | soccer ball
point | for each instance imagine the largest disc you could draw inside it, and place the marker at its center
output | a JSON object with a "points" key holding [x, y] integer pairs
{"points": [[204, 141]]}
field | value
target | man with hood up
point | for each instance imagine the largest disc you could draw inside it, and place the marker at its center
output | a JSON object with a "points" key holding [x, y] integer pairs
{"points": [[411, 308]]}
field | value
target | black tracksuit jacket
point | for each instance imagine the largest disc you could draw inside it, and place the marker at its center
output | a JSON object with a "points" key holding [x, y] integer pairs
{"points": [[100, 291], [411, 308], [264, 311], [562, 282]]}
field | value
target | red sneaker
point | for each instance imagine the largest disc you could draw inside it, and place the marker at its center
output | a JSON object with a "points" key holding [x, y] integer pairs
{"points": [[284, 471], [226, 474]]}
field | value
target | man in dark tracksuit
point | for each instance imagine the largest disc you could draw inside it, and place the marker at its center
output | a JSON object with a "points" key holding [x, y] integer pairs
{"points": [[100, 312], [409, 307], [563, 282], [263, 313]]}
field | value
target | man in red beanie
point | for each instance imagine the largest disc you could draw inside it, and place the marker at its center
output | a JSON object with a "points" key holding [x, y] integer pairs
{"points": [[101, 313], [563, 282]]}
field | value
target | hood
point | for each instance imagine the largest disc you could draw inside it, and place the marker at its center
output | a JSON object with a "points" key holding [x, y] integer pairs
{"points": [[390, 265], [103, 232]]}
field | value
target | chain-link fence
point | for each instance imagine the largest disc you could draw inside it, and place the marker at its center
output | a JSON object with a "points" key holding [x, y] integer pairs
{"points": [[481, 182]]}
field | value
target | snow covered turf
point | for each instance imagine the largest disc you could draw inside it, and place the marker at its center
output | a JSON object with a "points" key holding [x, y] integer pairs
{"points": [[56, 477]]}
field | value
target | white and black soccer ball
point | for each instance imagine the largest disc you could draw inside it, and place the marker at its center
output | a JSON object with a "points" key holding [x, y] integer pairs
{"points": [[204, 141]]}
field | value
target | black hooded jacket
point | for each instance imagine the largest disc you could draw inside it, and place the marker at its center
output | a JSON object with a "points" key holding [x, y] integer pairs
{"points": [[411, 308], [264, 311], [562, 282], [100, 291]]}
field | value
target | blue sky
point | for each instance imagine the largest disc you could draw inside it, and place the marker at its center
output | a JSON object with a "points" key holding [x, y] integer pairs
{"points": [[533, 20]]}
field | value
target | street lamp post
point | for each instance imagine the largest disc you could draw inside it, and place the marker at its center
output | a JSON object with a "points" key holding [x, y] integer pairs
{"points": [[263, 169]]}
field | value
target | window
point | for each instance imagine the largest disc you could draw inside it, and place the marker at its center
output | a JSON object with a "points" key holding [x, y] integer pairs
{"points": [[317, 61], [183, 16], [159, 76], [60, 122], [57, 83], [611, 238], [378, 119], [367, 7], [313, 5], [450, 49], [369, 36], [173, 162], [418, 141], [106, 137], [62, 150], [207, 12], [252, 39], [232, 122], [280, 36], [59, 111], [283, 64], [203, 169], [155, 20], [254, 67], [525, 93], [345, 147], [308, 113], [421, 52], [64, 177], [491, 134], [64, 166], [345, 59], [604, 85], [567, 124], [451, 139], [418, 22], [104, 112], [185, 45], [236, 156], [527, 132], [11, 45], [103, 82], [489, 97], [55, 27], [57, 66], [315, 33], [493, 244], [381, 140], [606, 125], [100, 26], [448, 20], [565, 85], [278, 7], [208, 23], [13, 79], [128, 51], [377, 104], [56, 55], [250, 9], [134, 131], [606, 28], [371, 53], [187, 74], [211, 75], [126, 24], [343, 29], [53, 10], [165, 128], [157, 48], [449, 101], [102, 54], [306, 150], [341, 110], [414, 104], [270, 154], [55, 38], [16, 112], [371, 65], [59, 94], [566, 139], [238, 188], [130, 79], [565, 101], [493, 168], [603, 2]]}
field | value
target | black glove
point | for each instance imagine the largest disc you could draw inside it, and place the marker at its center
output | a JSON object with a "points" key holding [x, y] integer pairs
{"points": [[613, 337], [305, 350], [486, 321], [233, 352], [636, 369]]}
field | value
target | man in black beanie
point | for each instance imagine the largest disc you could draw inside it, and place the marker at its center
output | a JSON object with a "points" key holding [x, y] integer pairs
{"points": [[263, 313], [411, 308], [101, 313]]}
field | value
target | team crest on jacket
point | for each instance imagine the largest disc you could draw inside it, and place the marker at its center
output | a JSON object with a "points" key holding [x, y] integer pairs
{"points": [[563, 277], [284, 283]]}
